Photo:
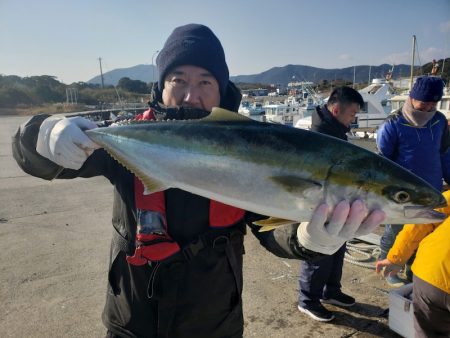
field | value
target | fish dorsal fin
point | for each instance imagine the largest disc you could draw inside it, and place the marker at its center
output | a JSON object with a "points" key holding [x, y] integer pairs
{"points": [[272, 223], [296, 184], [220, 114]]}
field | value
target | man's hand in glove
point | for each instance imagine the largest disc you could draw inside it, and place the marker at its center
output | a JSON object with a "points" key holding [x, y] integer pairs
{"points": [[63, 141], [346, 222]]}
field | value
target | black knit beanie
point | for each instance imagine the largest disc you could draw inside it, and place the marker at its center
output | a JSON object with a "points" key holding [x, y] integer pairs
{"points": [[195, 45]]}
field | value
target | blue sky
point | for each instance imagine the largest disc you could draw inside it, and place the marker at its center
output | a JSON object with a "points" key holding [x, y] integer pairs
{"points": [[65, 38]]}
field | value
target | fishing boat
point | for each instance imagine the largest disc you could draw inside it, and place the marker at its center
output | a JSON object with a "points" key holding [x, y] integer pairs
{"points": [[377, 104], [253, 110], [376, 107], [286, 113]]}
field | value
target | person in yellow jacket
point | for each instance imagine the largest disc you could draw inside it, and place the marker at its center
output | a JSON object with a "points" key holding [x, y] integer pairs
{"points": [[431, 272]]}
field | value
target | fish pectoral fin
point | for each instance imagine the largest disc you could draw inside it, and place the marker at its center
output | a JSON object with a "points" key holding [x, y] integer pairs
{"points": [[272, 223], [267, 228], [151, 185], [220, 114], [296, 184]]}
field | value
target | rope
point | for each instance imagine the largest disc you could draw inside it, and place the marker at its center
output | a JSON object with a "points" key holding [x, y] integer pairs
{"points": [[361, 254]]}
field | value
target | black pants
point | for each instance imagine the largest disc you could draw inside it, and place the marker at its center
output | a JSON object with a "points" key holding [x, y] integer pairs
{"points": [[431, 310], [321, 278], [196, 295], [109, 334]]}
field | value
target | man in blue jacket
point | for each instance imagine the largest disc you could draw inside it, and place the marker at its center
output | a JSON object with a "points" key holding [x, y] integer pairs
{"points": [[417, 138]]}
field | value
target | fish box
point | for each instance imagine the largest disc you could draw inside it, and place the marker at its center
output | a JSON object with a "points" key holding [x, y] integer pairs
{"points": [[401, 311]]}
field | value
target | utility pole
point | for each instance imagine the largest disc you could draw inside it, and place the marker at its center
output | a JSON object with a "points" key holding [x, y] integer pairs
{"points": [[101, 72], [153, 69]]}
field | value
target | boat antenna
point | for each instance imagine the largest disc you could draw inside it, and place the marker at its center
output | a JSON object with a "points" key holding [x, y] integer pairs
{"points": [[434, 67], [388, 76], [412, 64], [418, 57]]}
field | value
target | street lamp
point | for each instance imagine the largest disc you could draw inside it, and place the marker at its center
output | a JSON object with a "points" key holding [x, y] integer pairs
{"points": [[153, 68]]}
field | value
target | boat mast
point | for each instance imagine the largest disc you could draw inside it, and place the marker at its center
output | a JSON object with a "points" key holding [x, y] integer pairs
{"points": [[412, 64], [354, 76]]}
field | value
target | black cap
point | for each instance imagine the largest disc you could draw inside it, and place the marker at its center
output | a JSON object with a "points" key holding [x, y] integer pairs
{"points": [[195, 45]]}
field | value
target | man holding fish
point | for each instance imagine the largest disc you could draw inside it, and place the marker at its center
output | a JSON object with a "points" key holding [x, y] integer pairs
{"points": [[185, 190]]}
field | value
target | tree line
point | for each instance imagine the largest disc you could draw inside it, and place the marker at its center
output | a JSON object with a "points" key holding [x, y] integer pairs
{"points": [[18, 91], [21, 92]]}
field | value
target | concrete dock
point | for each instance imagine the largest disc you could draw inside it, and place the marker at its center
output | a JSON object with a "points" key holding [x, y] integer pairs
{"points": [[55, 239]]}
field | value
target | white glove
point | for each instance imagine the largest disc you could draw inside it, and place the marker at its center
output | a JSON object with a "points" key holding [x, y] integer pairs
{"points": [[63, 141], [345, 223]]}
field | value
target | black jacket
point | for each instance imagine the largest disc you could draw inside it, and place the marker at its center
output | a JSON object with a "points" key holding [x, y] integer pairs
{"points": [[188, 295], [323, 122]]}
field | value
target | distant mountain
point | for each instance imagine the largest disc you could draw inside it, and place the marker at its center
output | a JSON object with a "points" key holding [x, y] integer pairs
{"points": [[145, 73], [290, 73], [276, 75]]}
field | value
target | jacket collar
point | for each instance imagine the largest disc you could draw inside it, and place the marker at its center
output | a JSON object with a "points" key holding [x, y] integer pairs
{"points": [[230, 101], [324, 116]]}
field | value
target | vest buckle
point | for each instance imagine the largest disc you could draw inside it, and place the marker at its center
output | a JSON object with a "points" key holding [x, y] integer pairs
{"points": [[220, 242], [193, 249]]}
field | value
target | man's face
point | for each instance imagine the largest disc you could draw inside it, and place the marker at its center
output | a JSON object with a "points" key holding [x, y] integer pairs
{"points": [[345, 114], [423, 106], [192, 87]]}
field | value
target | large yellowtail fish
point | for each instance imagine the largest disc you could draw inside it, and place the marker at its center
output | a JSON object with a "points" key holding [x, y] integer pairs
{"points": [[269, 169]]}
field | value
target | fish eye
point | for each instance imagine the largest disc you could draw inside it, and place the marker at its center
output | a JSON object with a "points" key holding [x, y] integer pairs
{"points": [[401, 197]]}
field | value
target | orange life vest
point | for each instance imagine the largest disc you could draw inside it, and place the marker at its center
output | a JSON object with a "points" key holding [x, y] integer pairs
{"points": [[153, 242]]}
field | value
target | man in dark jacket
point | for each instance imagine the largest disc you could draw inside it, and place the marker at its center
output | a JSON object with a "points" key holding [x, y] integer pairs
{"points": [[176, 258], [320, 280]]}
